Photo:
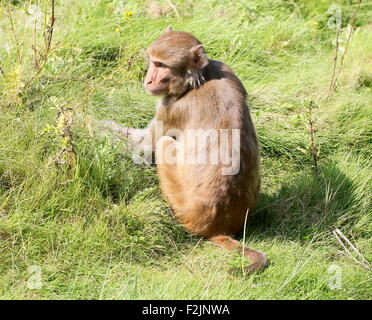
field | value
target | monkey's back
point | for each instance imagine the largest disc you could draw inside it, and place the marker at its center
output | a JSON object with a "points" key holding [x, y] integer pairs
{"points": [[206, 201]]}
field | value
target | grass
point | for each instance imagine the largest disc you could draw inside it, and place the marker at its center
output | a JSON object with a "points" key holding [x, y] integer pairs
{"points": [[99, 229]]}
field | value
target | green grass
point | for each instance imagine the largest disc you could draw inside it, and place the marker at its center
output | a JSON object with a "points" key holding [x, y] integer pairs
{"points": [[102, 231]]}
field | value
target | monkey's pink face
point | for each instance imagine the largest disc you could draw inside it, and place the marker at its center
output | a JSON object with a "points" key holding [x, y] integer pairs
{"points": [[158, 77]]}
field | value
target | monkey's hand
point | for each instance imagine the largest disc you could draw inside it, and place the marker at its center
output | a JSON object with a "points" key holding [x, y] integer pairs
{"points": [[112, 126], [135, 137]]}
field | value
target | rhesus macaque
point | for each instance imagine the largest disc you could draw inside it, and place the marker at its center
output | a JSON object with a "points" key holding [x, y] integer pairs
{"points": [[201, 97]]}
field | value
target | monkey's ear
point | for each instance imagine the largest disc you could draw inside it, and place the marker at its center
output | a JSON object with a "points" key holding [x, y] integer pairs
{"points": [[169, 28], [199, 58]]}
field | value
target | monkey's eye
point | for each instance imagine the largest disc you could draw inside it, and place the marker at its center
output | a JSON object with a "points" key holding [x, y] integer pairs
{"points": [[160, 64]]}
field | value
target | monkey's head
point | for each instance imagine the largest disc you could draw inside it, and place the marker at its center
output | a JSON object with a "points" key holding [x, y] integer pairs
{"points": [[176, 62]]}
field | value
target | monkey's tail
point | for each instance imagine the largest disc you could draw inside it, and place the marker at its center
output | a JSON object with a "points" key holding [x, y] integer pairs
{"points": [[258, 258]]}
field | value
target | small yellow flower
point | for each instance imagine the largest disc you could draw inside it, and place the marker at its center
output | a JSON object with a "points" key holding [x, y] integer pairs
{"points": [[117, 30], [128, 14]]}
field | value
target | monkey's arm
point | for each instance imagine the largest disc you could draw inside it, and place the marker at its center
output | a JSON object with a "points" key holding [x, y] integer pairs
{"points": [[137, 138]]}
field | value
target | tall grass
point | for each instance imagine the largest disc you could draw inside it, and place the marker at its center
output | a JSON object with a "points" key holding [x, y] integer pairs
{"points": [[100, 229]]}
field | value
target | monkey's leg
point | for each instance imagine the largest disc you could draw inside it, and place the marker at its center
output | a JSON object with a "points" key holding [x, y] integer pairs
{"points": [[166, 163]]}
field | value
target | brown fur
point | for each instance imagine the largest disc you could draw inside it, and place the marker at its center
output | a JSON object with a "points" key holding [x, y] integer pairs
{"points": [[202, 94]]}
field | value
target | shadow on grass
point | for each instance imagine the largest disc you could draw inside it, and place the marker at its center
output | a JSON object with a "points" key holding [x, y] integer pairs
{"points": [[312, 203]]}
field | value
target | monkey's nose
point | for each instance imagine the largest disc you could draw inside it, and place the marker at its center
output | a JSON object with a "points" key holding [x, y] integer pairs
{"points": [[148, 82]]}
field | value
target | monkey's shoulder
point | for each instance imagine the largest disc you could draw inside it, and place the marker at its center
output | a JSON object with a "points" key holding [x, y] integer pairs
{"points": [[219, 70], [221, 79], [217, 66]]}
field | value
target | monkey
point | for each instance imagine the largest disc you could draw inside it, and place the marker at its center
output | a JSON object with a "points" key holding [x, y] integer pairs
{"points": [[199, 96]]}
